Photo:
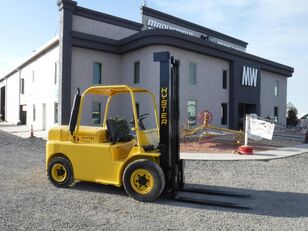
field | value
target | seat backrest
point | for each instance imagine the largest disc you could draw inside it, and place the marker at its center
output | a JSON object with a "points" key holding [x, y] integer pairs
{"points": [[112, 129], [118, 130]]}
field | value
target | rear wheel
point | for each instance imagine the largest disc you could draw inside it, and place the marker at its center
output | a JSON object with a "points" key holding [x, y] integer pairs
{"points": [[143, 180], [60, 172]]}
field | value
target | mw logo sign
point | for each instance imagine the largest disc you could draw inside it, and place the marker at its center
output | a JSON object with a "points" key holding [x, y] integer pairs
{"points": [[249, 76]]}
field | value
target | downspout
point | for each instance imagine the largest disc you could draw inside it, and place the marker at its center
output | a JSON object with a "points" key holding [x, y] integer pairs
{"points": [[19, 93], [5, 102]]}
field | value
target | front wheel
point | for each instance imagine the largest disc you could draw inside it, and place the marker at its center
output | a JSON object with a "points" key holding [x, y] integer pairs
{"points": [[60, 172], [143, 180]]}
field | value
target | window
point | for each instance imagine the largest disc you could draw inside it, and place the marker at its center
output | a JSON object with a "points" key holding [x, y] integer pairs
{"points": [[193, 73], [56, 72], [96, 113], [22, 86], [224, 113], [224, 79], [33, 76], [97, 73], [191, 110], [137, 72], [34, 112], [276, 89], [276, 113], [56, 112]]}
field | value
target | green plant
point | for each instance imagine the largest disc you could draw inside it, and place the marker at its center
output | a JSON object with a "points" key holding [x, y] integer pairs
{"points": [[292, 117]]}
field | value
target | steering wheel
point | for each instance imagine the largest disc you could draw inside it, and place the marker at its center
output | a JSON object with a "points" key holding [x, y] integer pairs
{"points": [[140, 119]]}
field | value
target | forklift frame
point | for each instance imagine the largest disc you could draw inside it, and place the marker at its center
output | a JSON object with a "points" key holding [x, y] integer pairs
{"points": [[171, 163]]}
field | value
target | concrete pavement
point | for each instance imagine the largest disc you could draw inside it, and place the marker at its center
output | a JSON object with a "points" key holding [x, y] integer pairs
{"points": [[24, 132], [262, 155]]}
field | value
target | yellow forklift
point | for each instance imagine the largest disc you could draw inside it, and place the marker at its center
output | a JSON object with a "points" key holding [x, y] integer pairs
{"points": [[146, 163], [108, 154]]}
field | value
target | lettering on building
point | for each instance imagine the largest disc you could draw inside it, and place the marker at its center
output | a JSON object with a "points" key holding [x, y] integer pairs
{"points": [[164, 106], [249, 76], [154, 24], [151, 23]]}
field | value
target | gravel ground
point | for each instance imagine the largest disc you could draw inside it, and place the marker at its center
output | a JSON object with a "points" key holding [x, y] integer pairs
{"points": [[278, 189]]}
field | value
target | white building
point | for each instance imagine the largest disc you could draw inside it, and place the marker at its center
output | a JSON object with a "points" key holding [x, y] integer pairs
{"points": [[30, 91]]}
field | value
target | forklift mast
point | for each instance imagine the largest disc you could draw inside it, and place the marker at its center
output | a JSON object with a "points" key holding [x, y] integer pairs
{"points": [[170, 161], [169, 122]]}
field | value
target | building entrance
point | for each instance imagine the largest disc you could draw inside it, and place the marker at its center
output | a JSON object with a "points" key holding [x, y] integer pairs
{"points": [[2, 104], [244, 109], [22, 115]]}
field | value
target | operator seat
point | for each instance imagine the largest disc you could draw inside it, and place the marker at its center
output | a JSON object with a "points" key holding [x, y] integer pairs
{"points": [[118, 130]]}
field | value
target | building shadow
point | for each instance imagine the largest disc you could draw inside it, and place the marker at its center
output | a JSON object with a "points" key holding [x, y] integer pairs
{"points": [[259, 202]]}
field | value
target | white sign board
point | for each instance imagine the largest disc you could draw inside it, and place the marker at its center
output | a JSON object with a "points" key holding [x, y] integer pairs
{"points": [[260, 128]]}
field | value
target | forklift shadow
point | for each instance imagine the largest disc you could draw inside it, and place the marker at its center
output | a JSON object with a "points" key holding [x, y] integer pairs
{"points": [[99, 188], [249, 201], [258, 202]]}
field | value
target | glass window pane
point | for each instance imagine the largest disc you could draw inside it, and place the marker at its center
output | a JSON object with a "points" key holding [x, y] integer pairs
{"points": [[136, 72], [191, 110], [33, 76], [96, 113], [97, 72], [193, 73], [224, 79], [56, 72], [22, 86], [224, 113], [276, 91]]}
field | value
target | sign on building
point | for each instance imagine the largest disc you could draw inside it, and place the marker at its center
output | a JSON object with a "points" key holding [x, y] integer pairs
{"points": [[151, 23], [249, 76]]}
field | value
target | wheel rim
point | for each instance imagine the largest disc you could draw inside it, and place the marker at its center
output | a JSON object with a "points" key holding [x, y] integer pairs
{"points": [[142, 181], [58, 172]]}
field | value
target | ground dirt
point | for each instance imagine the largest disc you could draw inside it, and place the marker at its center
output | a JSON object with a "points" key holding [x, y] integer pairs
{"points": [[278, 200]]}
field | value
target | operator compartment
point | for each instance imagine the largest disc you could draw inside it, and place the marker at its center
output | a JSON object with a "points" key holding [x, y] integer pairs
{"points": [[88, 134]]}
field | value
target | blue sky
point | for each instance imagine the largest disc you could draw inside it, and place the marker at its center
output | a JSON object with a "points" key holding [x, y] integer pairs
{"points": [[274, 29]]}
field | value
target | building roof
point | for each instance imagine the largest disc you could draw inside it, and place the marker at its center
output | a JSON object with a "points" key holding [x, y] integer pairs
{"points": [[178, 21]]}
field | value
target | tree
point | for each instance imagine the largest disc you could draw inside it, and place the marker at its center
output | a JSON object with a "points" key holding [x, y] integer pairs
{"points": [[292, 117]]}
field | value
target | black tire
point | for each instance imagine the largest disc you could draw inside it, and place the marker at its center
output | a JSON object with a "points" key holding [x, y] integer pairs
{"points": [[143, 180], [60, 172]]}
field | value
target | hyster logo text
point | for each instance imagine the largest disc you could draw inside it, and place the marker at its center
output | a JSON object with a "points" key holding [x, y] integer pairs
{"points": [[249, 77], [164, 106]]}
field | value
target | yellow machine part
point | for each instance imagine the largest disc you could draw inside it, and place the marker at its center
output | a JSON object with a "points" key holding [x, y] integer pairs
{"points": [[93, 158], [101, 163]]}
